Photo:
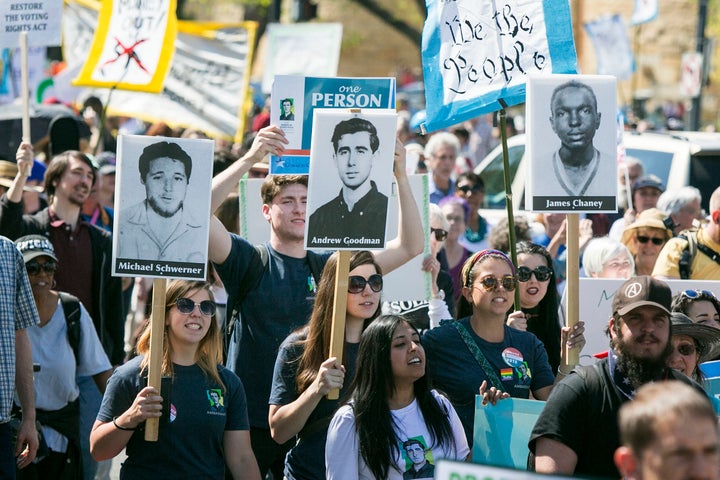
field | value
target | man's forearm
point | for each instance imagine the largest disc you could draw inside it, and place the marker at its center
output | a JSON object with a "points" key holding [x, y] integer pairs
{"points": [[24, 374]]}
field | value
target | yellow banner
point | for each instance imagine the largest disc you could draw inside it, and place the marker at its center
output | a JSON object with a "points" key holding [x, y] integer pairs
{"points": [[132, 47]]}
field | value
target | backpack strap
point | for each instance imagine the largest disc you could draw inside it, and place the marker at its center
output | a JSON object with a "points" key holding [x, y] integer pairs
{"points": [[687, 255], [71, 309], [492, 377]]}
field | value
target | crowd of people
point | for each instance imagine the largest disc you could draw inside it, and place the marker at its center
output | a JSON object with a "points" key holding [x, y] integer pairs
{"points": [[246, 356]]}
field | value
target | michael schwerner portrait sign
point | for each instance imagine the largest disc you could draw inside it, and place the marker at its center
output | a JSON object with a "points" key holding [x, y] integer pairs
{"points": [[351, 164], [163, 207], [572, 146]]}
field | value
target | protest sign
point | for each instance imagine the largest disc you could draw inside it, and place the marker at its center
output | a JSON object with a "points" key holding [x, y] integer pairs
{"points": [[162, 207], [311, 49], [502, 431], [308, 93], [596, 296], [449, 470], [41, 20], [132, 46], [351, 164], [477, 53], [612, 46], [205, 89], [571, 133]]}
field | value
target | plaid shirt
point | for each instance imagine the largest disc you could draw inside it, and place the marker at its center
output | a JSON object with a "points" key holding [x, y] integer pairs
{"points": [[17, 311]]}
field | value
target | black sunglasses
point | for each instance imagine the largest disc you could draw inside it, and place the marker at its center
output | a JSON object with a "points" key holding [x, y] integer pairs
{"points": [[656, 241], [693, 294], [33, 268], [490, 284], [356, 283], [686, 349], [186, 305], [469, 189], [542, 274], [440, 234]]}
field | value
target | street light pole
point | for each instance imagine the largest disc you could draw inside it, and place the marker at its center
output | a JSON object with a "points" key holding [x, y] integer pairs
{"points": [[700, 48]]}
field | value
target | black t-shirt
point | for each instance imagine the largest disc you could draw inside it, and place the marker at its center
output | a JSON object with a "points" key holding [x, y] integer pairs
{"points": [[581, 413]]}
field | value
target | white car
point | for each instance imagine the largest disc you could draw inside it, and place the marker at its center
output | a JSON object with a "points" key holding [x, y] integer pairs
{"points": [[677, 158]]}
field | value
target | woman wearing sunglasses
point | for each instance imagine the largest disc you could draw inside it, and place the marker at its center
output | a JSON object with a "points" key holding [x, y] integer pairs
{"points": [[56, 389], [692, 344], [539, 302], [305, 373], [206, 427], [645, 238], [395, 426], [702, 306], [479, 352]]}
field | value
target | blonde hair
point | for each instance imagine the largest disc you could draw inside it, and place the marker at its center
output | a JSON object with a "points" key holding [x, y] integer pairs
{"points": [[209, 352]]}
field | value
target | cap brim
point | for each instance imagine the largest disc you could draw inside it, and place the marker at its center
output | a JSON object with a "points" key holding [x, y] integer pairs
{"points": [[643, 303], [27, 256], [708, 338]]}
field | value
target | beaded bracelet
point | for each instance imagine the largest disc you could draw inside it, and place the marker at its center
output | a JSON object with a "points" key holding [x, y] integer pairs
{"points": [[127, 429]]}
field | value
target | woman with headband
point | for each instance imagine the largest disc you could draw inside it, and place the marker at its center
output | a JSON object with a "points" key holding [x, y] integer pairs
{"points": [[479, 353]]}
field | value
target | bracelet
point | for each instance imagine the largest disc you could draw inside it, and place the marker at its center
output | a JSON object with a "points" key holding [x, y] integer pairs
{"points": [[127, 429], [562, 374]]}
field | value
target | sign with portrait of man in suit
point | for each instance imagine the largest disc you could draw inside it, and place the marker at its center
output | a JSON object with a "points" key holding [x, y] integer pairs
{"points": [[572, 144], [351, 164]]}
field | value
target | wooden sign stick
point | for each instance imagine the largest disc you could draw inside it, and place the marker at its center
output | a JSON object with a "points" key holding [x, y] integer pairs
{"points": [[25, 91], [157, 330], [572, 279], [337, 333]]}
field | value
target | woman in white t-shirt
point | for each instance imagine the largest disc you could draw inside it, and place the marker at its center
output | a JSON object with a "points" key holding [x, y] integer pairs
{"points": [[402, 433]]}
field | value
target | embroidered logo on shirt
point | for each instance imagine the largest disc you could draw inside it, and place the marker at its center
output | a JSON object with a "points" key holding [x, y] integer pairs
{"points": [[217, 402]]}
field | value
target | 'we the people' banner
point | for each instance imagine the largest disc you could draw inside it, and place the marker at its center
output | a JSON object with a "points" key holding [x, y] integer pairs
{"points": [[478, 53], [132, 47]]}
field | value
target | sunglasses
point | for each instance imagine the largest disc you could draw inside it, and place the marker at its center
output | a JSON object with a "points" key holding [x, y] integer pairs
{"points": [[186, 305], [440, 234], [469, 189], [693, 294], [33, 268], [686, 349], [656, 241], [490, 284], [542, 274], [356, 283]]}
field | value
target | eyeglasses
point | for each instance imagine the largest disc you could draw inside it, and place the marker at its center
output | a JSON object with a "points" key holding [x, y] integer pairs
{"points": [[693, 294], [686, 349], [542, 273], [656, 241], [440, 234], [490, 284], [356, 283], [33, 268], [186, 305], [469, 189]]}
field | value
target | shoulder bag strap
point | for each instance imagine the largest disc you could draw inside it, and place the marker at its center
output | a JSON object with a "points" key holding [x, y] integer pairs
{"points": [[479, 357]]}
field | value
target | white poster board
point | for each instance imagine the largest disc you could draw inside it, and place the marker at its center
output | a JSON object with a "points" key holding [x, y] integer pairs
{"points": [[162, 207], [571, 144], [596, 297], [41, 20], [351, 165], [447, 470]]}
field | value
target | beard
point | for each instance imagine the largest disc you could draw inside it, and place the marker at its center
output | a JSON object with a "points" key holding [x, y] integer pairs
{"points": [[640, 370], [162, 211]]}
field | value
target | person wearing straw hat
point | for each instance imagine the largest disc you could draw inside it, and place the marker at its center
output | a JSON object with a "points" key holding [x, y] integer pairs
{"points": [[645, 238], [692, 344]]}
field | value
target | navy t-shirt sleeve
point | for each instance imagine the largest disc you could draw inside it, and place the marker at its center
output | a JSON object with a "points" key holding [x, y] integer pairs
{"points": [[237, 414], [543, 375], [235, 267], [120, 392], [284, 388]]}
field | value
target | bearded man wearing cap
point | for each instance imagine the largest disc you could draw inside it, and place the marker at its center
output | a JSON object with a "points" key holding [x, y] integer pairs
{"points": [[577, 431]]}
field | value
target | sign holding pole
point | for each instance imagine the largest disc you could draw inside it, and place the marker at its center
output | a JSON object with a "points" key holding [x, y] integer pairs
{"points": [[157, 326], [337, 332], [25, 89], [572, 278]]}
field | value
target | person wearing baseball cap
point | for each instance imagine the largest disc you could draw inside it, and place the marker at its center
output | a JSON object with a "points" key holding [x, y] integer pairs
{"points": [[583, 407]]}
